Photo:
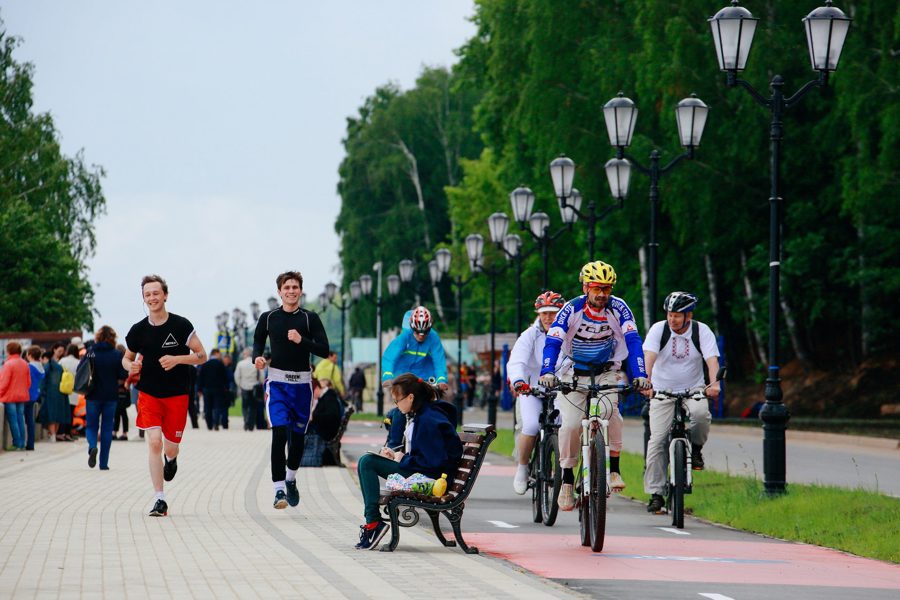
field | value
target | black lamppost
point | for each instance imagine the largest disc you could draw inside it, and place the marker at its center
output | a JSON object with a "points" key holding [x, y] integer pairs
{"points": [[442, 259], [538, 224], [620, 114], [344, 306], [365, 287], [510, 245], [732, 29], [475, 252], [562, 171]]}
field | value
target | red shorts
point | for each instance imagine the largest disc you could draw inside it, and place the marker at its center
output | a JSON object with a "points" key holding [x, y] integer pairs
{"points": [[169, 414]]}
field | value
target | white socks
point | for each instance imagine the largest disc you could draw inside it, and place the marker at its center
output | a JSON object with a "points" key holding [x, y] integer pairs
{"points": [[161, 496], [291, 475], [278, 485]]}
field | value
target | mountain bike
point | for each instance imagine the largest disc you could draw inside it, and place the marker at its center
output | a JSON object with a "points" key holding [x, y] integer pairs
{"points": [[544, 472], [592, 482], [679, 480]]}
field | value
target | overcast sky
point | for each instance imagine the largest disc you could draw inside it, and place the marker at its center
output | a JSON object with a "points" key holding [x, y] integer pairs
{"points": [[219, 125]]}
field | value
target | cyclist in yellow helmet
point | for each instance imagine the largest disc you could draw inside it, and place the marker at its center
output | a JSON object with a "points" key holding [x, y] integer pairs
{"points": [[598, 332]]}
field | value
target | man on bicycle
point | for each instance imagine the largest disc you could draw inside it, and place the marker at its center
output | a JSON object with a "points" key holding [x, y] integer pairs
{"points": [[417, 350], [676, 350], [597, 330], [524, 369]]}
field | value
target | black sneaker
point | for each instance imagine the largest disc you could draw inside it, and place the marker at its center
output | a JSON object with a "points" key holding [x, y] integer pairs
{"points": [[92, 458], [170, 468], [369, 538], [160, 509], [281, 500], [293, 494], [697, 457], [656, 504]]}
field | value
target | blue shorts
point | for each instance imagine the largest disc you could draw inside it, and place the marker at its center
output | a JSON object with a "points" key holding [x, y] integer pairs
{"points": [[288, 403]]}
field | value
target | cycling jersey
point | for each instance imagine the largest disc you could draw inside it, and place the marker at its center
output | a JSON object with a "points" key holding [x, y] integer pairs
{"points": [[406, 355], [527, 354], [592, 338]]}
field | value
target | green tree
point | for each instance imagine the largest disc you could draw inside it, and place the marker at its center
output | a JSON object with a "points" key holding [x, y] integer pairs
{"points": [[48, 205]]}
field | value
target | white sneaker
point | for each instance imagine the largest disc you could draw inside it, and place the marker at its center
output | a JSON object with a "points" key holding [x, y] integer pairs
{"points": [[520, 481], [566, 499], [616, 483]]}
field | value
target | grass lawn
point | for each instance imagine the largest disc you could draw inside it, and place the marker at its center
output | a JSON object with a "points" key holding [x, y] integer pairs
{"points": [[861, 522]]}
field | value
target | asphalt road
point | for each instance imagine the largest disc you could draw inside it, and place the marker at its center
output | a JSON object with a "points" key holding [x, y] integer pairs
{"points": [[643, 556]]}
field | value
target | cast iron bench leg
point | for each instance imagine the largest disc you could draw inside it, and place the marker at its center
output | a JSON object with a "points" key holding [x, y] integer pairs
{"points": [[455, 516], [395, 528], [437, 529]]}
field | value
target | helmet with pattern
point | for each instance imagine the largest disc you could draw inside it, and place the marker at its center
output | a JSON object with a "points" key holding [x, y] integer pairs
{"points": [[549, 301], [420, 320], [680, 302], [597, 272]]}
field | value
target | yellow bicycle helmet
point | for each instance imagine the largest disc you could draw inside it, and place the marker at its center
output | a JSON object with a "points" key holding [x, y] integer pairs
{"points": [[597, 272]]}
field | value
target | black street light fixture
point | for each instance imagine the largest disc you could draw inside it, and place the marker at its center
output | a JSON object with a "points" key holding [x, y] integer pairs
{"points": [[443, 258], [365, 288], [475, 252], [620, 114], [732, 29], [330, 294], [272, 303], [562, 171], [537, 224]]}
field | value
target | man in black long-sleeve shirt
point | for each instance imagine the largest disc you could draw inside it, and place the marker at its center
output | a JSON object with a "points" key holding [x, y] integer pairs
{"points": [[293, 334]]}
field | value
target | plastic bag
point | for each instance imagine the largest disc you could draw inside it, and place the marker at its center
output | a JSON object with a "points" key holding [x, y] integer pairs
{"points": [[416, 482]]}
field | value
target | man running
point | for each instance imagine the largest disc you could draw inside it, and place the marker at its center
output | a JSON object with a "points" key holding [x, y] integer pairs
{"points": [[293, 334], [168, 347]]}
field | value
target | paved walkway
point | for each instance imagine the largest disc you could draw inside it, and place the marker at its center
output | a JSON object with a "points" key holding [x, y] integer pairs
{"points": [[67, 531]]}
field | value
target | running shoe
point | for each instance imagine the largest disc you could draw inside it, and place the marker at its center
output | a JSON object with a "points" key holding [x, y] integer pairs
{"points": [[656, 504], [369, 537], [92, 458], [697, 457], [293, 494], [616, 483], [281, 500], [170, 468], [520, 481], [160, 509], [566, 499]]}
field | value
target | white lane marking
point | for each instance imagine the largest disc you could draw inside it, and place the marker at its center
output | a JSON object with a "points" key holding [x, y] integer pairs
{"points": [[503, 525], [717, 597], [673, 530]]}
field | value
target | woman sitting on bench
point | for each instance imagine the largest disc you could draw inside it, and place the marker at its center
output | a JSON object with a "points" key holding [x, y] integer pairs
{"points": [[432, 448]]}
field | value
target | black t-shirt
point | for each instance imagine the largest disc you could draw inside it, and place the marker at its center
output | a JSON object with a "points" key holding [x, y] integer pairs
{"points": [[155, 341], [286, 355]]}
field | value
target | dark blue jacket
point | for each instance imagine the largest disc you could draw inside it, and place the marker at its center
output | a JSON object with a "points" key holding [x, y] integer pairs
{"points": [[107, 372], [435, 447]]}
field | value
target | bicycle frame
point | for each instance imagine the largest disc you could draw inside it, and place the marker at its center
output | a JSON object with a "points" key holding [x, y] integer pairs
{"points": [[678, 435]]}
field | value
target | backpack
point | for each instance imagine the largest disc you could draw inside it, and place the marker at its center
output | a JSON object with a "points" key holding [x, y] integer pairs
{"points": [[83, 382], [66, 383], [695, 339]]}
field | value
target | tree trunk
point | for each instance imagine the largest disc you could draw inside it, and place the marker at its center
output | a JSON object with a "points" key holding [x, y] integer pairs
{"points": [[866, 306], [713, 290], [451, 151], [748, 290], [799, 349], [437, 301], [413, 173], [645, 284]]}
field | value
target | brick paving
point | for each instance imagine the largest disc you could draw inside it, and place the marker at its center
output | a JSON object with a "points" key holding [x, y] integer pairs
{"points": [[67, 531]]}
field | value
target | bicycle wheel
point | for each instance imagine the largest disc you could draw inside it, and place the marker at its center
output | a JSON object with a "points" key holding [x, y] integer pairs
{"points": [[680, 470], [534, 480], [584, 516], [598, 492], [551, 480]]}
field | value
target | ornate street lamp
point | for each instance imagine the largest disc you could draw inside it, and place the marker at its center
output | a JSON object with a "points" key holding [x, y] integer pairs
{"points": [[826, 30], [407, 269], [522, 200], [443, 258], [393, 285], [330, 290]]}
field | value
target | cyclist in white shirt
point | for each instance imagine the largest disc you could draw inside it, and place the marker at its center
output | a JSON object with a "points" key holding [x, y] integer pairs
{"points": [[675, 351], [524, 369]]}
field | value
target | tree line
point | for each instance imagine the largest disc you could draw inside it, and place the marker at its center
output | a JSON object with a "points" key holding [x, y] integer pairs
{"points": [[48, 204], [425, 167]]}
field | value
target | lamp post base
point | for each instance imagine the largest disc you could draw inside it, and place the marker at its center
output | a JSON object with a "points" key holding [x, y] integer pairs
{"points": [[774, 415]]}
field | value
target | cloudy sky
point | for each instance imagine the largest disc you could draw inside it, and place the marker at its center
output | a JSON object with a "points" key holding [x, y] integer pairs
{"points": [[219, 125]]}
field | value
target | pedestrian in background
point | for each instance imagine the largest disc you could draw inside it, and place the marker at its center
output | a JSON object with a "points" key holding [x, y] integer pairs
{"points": [[212, 382], [15, 381], [69, 362], [103, 397], [124, 401], [247, 378], [328, 369], [34, 392], [357, 385], [55, 411]]}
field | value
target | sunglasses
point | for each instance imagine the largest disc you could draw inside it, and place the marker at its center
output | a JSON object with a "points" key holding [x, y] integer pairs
{"points": [[606, 289]]}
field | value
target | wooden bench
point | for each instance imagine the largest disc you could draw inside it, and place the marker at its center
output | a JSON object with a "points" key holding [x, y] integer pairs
{"points": [[475, 439], [333, 446]]}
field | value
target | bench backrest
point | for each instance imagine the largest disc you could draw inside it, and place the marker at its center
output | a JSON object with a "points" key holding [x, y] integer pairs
{"points": [[475, 439], [344, 421]]}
